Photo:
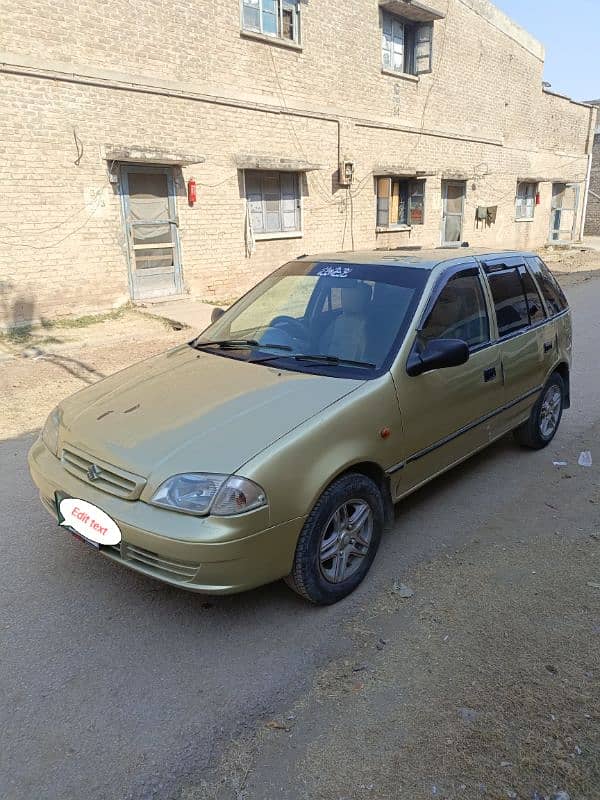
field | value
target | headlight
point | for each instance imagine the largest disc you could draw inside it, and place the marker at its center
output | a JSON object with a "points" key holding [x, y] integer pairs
{"points": [[50, 431], [199, 493]]}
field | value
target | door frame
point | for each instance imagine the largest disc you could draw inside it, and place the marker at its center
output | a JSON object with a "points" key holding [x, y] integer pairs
{"points": [[123, 187], [444, 193], [567, 185]]}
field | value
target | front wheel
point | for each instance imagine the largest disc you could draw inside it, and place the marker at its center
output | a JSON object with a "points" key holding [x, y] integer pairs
{"points": [[339, 540], [543, 422]]}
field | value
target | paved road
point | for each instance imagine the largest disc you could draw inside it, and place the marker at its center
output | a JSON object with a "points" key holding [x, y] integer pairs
{"points": [[113, 686]]}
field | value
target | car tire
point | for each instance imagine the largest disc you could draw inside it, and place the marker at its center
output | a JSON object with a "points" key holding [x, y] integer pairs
{"points": [[338, 541], [539, 430]]}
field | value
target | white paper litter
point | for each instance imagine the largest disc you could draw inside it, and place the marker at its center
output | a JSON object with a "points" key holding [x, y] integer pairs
{"points": [[585, 459]]}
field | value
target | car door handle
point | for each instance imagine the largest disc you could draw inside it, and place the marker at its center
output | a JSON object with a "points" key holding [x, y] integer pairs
{"points": [[489, 374], [548, 346]]}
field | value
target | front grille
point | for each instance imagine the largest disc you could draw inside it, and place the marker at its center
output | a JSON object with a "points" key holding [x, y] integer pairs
{"points": [[109, 479], [181, 570]]}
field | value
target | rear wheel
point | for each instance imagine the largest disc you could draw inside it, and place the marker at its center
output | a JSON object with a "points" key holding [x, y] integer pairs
{"points": [[339, 540], [543, 422]]}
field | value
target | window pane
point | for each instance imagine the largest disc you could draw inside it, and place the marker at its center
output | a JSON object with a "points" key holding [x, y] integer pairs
{"points": [[459, 313], [398, 47], [290, 203], [534, 301], [151, 234], [417, 203], [454, 198], [254, 200], [423, 47], [251, 15], [402, 215], [290, 13], [452, 228], [383, 202], [511, 306], [156, 257], [269, 17], [525, 201], [409, 49], [148, 196], [553, 294], [272, 202]]}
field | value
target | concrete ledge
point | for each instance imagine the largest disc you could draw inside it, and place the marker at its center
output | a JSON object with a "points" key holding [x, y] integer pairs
{"points": [[506, 25], [273, 40]]}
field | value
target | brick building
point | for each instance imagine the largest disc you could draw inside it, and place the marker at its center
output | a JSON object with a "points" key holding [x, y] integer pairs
{"points": [[307, 125], [592, 217]]}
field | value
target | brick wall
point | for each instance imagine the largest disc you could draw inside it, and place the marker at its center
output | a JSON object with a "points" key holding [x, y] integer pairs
{"points": [[592, 219], [182, 77]]}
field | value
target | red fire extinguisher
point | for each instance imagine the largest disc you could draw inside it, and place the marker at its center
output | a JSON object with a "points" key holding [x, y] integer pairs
{"points": [[191, 187]]}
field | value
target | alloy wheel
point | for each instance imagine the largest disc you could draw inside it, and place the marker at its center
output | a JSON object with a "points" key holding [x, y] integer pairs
{"points": [[345, 540], [550, 411]]}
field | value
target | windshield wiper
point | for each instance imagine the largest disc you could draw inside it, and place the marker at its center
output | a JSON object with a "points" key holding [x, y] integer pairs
{"points": [[236, 344], [333, 360]]}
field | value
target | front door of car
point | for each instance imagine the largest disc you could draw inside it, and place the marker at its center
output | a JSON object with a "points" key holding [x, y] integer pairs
{"points": [[449, 413]]}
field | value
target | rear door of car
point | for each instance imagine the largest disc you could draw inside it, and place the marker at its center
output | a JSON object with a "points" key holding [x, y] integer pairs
{"points": [[557, 339], [447, 413], [523, 334]]}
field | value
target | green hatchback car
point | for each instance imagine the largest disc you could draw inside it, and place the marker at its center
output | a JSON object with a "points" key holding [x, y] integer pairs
{"points": [[275, 444]]}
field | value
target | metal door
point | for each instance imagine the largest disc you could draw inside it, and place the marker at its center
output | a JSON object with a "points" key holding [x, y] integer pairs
{"points": [[453, 208], [150, 213], [563, 217]]}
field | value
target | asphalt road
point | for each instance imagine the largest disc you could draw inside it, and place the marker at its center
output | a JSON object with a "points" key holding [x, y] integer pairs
{"points": [[113, 686]]}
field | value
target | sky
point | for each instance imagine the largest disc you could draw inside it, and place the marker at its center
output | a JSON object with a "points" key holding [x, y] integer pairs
{"points": [[570, 32]]}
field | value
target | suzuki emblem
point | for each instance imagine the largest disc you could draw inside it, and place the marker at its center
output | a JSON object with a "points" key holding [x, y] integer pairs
{"points": [[94, 472]]}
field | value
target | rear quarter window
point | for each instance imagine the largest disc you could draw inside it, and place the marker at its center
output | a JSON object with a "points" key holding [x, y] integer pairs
{"points": [[551, 291]]}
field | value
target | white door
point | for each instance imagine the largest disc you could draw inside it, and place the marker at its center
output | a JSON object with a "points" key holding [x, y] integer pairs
{"points": [[453, 208], [563, 217]]}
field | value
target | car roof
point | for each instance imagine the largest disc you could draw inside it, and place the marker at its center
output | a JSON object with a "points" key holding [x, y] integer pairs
{"points": [[414, 257]]}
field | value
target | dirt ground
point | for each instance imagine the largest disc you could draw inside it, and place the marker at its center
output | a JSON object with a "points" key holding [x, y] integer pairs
{"points": [[482, 685], [572, 266], [40, 367]]}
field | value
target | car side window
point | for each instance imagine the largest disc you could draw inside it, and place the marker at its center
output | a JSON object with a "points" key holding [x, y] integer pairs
{"points": [[459, 313], [509, 300], [553, 294], [535, 307]]}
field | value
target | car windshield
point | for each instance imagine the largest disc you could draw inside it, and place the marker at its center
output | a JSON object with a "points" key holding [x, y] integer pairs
{"points": [[331, 318]]}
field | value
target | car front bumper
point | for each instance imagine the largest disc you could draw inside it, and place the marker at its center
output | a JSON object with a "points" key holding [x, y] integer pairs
{"points": [[215, 555]]}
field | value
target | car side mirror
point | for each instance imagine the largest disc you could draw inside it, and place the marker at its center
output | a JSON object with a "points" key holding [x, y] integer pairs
{"points": [[437, 354], [216, 314]]}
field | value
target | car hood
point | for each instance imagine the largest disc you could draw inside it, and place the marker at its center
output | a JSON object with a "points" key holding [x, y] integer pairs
{"points": [[188, 410]]}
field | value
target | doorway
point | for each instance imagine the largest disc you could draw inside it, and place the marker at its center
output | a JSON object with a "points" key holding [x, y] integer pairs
{"points": [[151, 227], [563, 216], [453, 209]]}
